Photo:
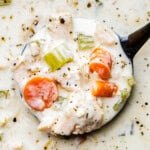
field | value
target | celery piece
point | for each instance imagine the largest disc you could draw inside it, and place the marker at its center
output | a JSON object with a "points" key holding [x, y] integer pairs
{"points": [[58, 57], [4, 93], [85, 42], [5, 2], [124, 95], [117, 106], [131, 81]]}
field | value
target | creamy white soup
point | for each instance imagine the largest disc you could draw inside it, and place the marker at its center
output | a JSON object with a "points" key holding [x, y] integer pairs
{"points": [[91, 78], [47, 25]]}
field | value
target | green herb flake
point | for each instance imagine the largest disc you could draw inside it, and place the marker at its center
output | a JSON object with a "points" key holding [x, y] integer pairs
{"points": [[99, 2], [35, 42], [18, 45], [61, 98], [4, 93], [5, 2], [1, 137]]}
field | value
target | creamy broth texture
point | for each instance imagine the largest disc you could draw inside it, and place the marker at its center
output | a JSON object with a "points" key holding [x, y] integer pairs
{"points": [[76, 105], [18, 127]]}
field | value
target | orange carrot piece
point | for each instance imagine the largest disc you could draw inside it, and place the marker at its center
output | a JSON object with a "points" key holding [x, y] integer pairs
{"points": [[40, 93], [102, 70], [101, 62], [104, 89]]}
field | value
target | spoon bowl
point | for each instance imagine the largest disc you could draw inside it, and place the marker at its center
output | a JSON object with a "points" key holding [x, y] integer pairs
{"points": [[131, 44]]}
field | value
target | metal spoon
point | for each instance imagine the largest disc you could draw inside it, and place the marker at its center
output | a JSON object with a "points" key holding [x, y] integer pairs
{"points": [[132, 43]]}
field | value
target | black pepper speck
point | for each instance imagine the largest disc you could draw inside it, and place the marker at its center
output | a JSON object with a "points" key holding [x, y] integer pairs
{"points": [[62, 20], [89, 5], [142, 133], [14, 119], [49, 135], [45, 147], [137, 102], [137, 122], [141, 125]]}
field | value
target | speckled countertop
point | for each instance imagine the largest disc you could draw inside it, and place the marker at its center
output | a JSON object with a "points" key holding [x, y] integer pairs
{"points": [[19, 21]]}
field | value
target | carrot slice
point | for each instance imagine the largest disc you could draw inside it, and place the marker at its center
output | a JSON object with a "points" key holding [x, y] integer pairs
{"points": [[101, 62], [40, 93], [102, 70], [104, 89]]}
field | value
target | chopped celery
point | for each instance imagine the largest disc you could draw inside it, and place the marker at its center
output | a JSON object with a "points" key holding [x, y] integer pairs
{"points": [[4, 93], [118, 105], [85, 42], [5, 2], [124, 95], [58, 57], [131, 81]]}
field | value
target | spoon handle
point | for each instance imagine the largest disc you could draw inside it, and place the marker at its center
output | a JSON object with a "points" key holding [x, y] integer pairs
{"points": [[133, 42]]}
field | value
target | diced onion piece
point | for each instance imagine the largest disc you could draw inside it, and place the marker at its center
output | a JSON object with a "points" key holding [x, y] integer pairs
{"points": [[5, 2], [58, 57], [85, 42]]}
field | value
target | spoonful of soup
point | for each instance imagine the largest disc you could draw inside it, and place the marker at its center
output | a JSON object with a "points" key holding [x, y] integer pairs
{"points": [[80, 77]]}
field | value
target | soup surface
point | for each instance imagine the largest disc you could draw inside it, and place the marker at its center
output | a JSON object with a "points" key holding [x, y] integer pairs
{"points": [[18, 127], [79, 78]]}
